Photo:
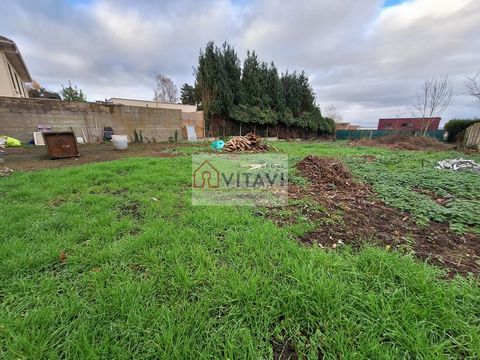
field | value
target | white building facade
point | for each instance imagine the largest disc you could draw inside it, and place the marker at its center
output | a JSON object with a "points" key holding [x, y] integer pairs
{"points": [[13, 71]]}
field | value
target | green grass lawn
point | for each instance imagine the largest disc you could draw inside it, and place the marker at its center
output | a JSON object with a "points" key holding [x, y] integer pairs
{"points": [[110, 260]]}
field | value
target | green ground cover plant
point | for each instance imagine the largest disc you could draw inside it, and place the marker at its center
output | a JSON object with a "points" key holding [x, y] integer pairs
{"points": [[110, 260], [408, 180]]}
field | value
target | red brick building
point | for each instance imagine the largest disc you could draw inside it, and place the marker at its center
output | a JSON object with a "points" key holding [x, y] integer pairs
{"points": [[413, 124]]}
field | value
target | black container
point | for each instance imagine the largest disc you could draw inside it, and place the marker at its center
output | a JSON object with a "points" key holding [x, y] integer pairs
{"points": [[107, 133]]}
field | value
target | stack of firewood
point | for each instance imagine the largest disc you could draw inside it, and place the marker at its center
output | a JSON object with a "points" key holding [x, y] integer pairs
{"points": [[249, 142]]}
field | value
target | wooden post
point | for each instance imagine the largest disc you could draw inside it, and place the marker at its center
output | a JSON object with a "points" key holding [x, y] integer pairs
{"points": [[96, 128], [86, 128]]}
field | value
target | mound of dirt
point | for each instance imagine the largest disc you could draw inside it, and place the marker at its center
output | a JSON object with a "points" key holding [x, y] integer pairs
{"points": [[351, 213], [403, 142], [325, 171]]}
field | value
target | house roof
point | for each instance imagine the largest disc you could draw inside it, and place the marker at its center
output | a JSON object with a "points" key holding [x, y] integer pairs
{"points": [[15, 58]]}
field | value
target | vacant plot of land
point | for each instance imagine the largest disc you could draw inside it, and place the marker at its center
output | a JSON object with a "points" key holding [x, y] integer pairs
{"points": [[111, 260]]}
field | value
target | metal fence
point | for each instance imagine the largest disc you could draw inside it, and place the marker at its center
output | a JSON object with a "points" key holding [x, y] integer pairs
{"points": [[373, 134]]}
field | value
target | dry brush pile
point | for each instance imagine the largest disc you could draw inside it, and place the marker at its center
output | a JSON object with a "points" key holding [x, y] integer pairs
{"points": [[249, 143]]}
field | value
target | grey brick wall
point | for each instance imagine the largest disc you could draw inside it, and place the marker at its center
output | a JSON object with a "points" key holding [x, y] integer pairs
{"points": [[19, 118]]}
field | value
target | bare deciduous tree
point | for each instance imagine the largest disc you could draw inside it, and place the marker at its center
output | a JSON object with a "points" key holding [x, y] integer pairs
{"points": [[165, 90], [433, 99], [472, 84], [330, 111]]}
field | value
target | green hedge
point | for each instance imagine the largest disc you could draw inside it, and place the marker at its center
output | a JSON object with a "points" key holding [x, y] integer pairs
{"points": [[308, 120]]}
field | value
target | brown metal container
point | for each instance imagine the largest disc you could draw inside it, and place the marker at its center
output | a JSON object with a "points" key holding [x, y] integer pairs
{"points": [[61, 144]]}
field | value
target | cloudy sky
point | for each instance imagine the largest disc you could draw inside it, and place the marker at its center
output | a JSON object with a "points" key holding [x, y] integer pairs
{"points": [[368, 57]]}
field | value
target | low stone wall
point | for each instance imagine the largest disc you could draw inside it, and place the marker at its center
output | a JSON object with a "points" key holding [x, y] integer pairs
{"points": [[19, 118]]}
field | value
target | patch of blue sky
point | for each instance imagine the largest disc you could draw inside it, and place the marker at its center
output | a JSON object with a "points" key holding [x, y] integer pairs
{"points": [[388, 3], [80, 2]]}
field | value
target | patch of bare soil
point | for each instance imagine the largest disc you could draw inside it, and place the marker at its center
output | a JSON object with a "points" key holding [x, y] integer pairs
{"points": [[284, 350], [140, 271], [403, 142], [431, 194], [35, 157], [354, 215], [132, 209], [369, 158]]}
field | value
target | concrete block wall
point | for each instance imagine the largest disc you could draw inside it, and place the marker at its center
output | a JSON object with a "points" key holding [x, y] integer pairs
{"points": [[19, 118]]}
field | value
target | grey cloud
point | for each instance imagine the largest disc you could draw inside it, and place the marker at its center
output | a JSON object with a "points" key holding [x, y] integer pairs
{"points": [[365, 59]]}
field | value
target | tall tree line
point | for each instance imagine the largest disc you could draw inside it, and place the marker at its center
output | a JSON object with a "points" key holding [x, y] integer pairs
{"points": [[255, 93]]}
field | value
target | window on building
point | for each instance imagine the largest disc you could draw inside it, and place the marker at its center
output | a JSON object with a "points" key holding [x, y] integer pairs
{"points": [[11, 77], [18, 84]]}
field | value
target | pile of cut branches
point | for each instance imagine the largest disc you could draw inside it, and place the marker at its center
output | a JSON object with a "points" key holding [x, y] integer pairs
{"points": [[249, 143]]}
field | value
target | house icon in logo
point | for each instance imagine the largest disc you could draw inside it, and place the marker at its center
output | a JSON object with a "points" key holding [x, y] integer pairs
{"points": [[206, 176]]}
